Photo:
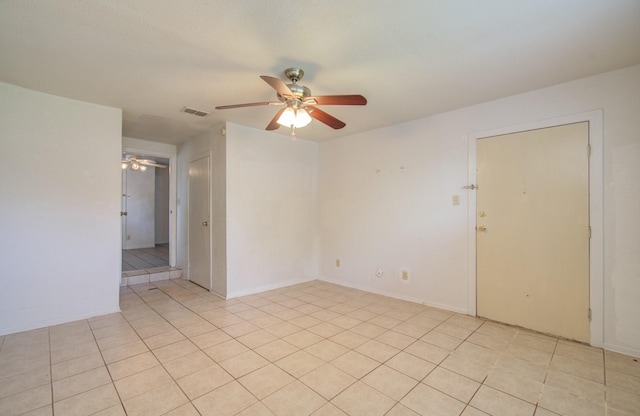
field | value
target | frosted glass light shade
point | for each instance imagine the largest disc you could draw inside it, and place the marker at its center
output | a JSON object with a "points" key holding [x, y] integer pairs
{"points": [[288, 117], [294, 118], [302, 118]]}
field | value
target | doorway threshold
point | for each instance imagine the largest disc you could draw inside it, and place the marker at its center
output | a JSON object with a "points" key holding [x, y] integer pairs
{"points": [[134, 277]]}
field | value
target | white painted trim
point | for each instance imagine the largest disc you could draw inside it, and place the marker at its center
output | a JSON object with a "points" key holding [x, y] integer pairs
{"points": [[173, 180], [394, 295], [338, 282], [596, 210], [57, 321], [265, 288], [634, 352]]}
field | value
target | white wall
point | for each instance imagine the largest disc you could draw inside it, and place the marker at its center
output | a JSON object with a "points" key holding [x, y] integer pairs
{"points": [[263, 203], [386, 202], [385, 198], [271, 210], [59, 209]]}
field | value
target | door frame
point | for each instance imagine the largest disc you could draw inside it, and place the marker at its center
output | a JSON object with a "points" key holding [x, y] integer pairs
{"points": [[173, 180], [596, 211]]}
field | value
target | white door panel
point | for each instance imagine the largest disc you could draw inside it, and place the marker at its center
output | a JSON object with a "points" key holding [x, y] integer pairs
{"points": [[139, 204], [533, 221], [199, 228]]}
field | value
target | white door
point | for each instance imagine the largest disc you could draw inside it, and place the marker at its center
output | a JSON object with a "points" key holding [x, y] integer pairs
{"points": [[533, 230], [199, 229], [139, 203], [123, 208]]}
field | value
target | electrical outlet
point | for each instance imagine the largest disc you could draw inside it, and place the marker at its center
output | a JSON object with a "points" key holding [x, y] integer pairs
{"points": [[456, 200], [337, 262], [405, 275]]}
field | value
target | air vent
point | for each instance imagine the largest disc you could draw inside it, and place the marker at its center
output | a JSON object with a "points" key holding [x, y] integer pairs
{"points": [[195, 112]]}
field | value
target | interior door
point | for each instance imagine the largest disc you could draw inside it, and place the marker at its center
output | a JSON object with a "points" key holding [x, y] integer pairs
{"points": [[199, 229], [139, 188], [123, 210], [533, 230]]}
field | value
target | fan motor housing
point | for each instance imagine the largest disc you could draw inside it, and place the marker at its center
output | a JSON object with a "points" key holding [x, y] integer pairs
{"points": [[299, 91]]}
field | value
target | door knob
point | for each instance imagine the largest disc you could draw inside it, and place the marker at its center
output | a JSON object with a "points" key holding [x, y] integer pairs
{"points": [[205, 223], [482, 228]]}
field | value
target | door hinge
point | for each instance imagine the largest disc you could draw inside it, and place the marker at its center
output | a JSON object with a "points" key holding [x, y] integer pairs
{"points": [[588, 150], [589, 232], [589, 314]]}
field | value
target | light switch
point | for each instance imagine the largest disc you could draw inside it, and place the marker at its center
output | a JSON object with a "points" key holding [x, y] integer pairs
{"points": [[456, 200]]}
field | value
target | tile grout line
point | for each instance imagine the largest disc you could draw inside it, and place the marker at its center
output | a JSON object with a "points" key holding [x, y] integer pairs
{"points": [[343, 330], [174, 380], [53, 411], [161, 364], [191, 308]]}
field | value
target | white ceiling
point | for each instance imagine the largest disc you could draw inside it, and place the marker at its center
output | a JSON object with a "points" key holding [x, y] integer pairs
{"points": [[410, 58]]}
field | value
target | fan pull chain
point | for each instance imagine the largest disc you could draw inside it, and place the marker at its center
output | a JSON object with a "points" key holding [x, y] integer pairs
{"points": [[293, 133]]}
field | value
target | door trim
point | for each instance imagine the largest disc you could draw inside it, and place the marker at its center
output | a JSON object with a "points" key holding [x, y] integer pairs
{"points": [[596, 211]]}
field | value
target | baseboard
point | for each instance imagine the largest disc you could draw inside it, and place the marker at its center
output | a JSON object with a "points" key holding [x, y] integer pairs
{"points": [[396, 296], [265, 288], [634, 352], [57, 321]]}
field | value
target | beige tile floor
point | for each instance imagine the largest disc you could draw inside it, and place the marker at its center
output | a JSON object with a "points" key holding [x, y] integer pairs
{"points": [[311, 349]]}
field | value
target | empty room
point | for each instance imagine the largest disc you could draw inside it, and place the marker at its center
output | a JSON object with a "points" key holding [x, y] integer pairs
{"points": [[305, 208]]}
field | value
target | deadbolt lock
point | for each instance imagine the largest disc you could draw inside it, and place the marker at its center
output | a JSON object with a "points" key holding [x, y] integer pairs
{"points": [[482, 228], [205, 223]]}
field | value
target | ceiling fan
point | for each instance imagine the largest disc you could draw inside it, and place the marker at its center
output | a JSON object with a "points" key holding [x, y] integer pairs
{"points": [[135, 163], [299, 105]]}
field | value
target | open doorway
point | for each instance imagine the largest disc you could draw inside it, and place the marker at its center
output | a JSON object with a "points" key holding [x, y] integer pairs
{"points": [[163, 246], [145, 212]]}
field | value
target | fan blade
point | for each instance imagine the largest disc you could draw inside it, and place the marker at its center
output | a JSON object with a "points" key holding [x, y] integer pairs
{"points": [[338, 99], [325, 118], [273, 125], [226, 107], [149, 162], [278, 85], [157, 165]]}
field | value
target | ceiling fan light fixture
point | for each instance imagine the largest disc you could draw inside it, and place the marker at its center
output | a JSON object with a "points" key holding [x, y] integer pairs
{"points": [[294, 118], [300, 106], [302, 118]]}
